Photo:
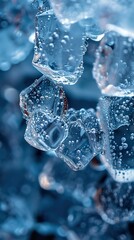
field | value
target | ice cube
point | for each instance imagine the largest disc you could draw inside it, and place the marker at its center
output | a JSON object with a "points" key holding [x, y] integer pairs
{"points": [[58, 51], [44, 131], [83, 141], [117, 120], [43, 94]]}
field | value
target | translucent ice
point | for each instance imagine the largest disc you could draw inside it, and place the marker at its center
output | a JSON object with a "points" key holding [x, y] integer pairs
{"points": [[117, 120], [116, 15], [44, 131], [108, 15], [43, 94], [40, 5], [70, 11], [83, 141], [115, 201], [114, 68], [92, 29], [58, 51]]}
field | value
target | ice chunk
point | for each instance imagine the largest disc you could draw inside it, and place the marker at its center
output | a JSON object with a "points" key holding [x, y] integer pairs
{"points": [[114, 65], [44, 131], [83, 141], [43, 94], [70, 11], [117, 120], [58, 51]]}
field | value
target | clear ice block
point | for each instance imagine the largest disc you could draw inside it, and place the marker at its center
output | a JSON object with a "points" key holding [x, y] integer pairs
{"points": [[44, 131], [115, 201], [117, 120], [114, 68], [44, 94], [83, 141], [58, 51]]}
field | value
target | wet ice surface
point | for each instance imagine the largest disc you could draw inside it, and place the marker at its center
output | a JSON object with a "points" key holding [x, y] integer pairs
{"points": [[43, 94], [113, 68], [44, 131], [40, 196], [58, 51], [83, 141], [108, 16], [117, 115], [54, 176]]}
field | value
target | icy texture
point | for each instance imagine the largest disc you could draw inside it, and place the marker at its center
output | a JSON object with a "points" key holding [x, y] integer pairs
{"points": [[70, 11], [58, 51], [92, 29], [43, 94], [83, 141], [114, 68], [116, 15], [16, 30], [115, 201], [41, 5], [44, 131], [108, 15], [117, 120]]}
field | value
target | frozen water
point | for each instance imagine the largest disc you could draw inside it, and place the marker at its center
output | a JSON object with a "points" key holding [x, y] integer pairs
{"points": [[44, 131], [114, 65], [108, 16], [92, 29], [117, 120], [70, 11], [83, 141], [58, 51], [43, 94], [41, 5], [111, 16]]}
